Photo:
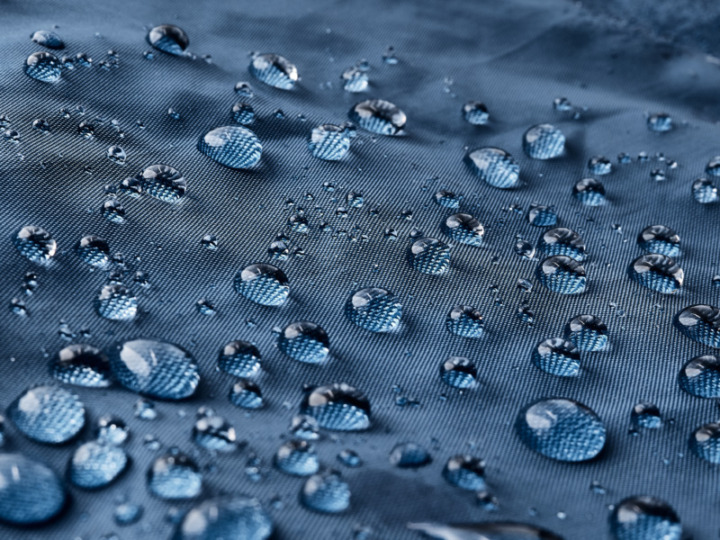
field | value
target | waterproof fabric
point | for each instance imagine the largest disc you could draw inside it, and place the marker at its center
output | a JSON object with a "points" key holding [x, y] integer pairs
{"points": [[615, 62]]}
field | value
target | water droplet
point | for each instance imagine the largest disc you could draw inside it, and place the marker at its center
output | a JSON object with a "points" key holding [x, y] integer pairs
{"points": [[525, 249], [93, 251], [246, 395], [274, 70], [163, 182], [700, 323], [458, 372], [243, 113], [646, 415], [30, 492], [562, 241], [389, 56], [145, 410], [561, 429], [82, 365], [659, 239], [542, 216], [298, 458], [349, 458], [41, 125], [465, 472], [587, 332], [155, 368], [174, 476], [465, 229], [244, 90], [700, 376], [214, 433], [127, 514], [305, 342], [543, 141], [116, 302], [206, 307], [483, 531], [113, 211], [355, 80], [475, 113], [95, 465], [465, 321], [263, 284], [374, 309], [83, 59], [116, 155], [330, 142], [233, 146], [561, 274], [112, 430], [495, 166], [557, 357], [35, 244], [240, 359], [705, 191], [447, 199], [660, 122], [590, 192], [326, 492], [304, 427], [169, 39], [599, 166], [43, 67], [644, 518], [229, 518], [430, 256], [48, 414], [378, 116], [657, 272], [337, 407], [409, 456], [46, 38]]}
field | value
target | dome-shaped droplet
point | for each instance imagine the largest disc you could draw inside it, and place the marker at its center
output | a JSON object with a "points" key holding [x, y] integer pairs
{"points": [[30, 492], [458, 372], [465, 229], [46, 38], [264, 284], [246, 395], [155, 368], [590, 192], [465, 321], [95, 465], [542, 216], [234, 517], [430, 256], [378, 116], [297, 457], [349, 458], [561, 429], [557, 357], [174, 476], [304, 427], [43, 67], [163, 182], [48, 414], [116, 302], [465, 472], [562, 275], [111, 430], [446, 199], [705, 191], [544, 141], [326, 492], [337, 407], [305, 342], [660, 122], [330, 142], [93, 251], [700, 376], [562, 241], [233, 146], [700, 323], [659, 239], [484, 531], [243, 113], [475, 113], [240, 359], [82, 365], [355, 80], [274, 70], [374, 309], [169, 39], [214, 433], [644, 518], [35, 244], [599, 165], [587, 332], [409, 456], [495, 166], [713, 167], [113, 211], [657, 272], [646, 415]]}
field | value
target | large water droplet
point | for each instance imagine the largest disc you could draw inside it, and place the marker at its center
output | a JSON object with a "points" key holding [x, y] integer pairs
{"points": [[305, 342], [562, 275], [243, 113], [240, 359], [659, 239], [326, 492], [236, 517], [495, 166], [646, 415], [563, 241], [246, 395], [557, 357], [705, 191], [430, 256], [264, 284], [542, 216], [465, 229], [169, 39], [174, 476], [82, 365], [116, 302], [355, 79], [43, 67], [48, 414], [35, 244], [214, 433], [155, 368], [657, 272], [475, 113], [297, 457], [660, 122], [274, 70], [458, 372], [233, 146], [163, 182], [700, 376], [587, 332], [112, 430], [700, 323], [378, 116], [330, 142], [409, 456], [95, 465], [590, 192], [644, 518], [465, 321], [46, 38], [465, 472], [93, 251], [337, 407], [544, 141], [30, 492], [561, 429], [600, 166], [483, 531], [374, 309]]}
